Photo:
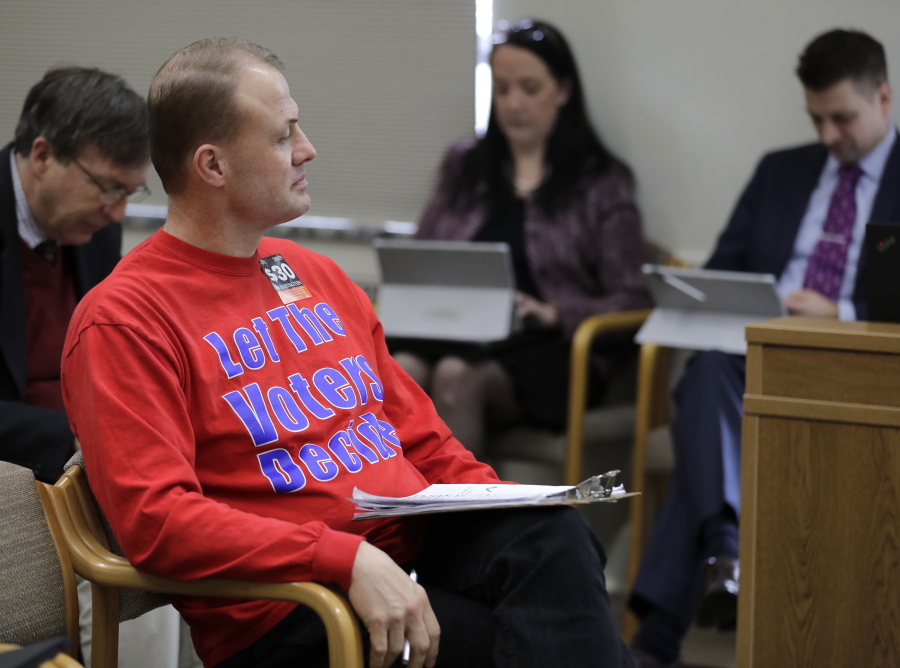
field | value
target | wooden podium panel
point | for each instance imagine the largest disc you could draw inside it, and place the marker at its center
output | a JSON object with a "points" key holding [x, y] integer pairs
{"points": [[820, 497]]}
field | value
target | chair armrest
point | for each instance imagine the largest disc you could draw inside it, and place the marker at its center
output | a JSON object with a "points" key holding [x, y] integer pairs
{"points": [[589, 329], [108, 573]]}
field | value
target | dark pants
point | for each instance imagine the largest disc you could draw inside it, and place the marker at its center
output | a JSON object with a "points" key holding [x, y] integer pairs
{"points": [[509, 588], [706, 435]]}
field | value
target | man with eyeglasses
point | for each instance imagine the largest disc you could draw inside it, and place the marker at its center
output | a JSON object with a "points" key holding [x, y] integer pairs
{"points": [[80, 153]]}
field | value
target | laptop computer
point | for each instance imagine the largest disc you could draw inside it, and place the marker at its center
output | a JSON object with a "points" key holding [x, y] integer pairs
{"points": [[446, 290], [882, 253], [706, 309]]}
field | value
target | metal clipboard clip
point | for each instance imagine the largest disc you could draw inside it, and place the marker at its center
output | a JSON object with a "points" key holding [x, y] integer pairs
{"points": [[597, 487]]}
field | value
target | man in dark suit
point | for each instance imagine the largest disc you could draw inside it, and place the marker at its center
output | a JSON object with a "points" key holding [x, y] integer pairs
{"points": [[80, 152], [802, 218]]}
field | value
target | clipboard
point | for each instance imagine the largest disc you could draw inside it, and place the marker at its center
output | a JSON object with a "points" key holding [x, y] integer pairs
{"points": [[455, 498]]}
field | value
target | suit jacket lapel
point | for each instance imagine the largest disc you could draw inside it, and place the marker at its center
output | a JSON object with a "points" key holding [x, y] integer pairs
{"points": [[886, 208], [78, 263], [803, 181], [12, 286], [887, 201]]}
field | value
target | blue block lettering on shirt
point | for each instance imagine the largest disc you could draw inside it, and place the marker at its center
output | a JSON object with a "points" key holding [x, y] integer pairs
{"points": [[388, 433], [282, 471], [321, 466], [339, 445], [300, 386], [372, 432], [231, 369], [263, 330], [253, 414], [329, 318], [310, 324], [377, 387], [334, 387], [351, 366], [362, 448], [287, 410], [280, 315], [249, 348]]}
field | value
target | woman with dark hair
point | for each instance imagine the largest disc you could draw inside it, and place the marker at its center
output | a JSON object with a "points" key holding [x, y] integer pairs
{"points": [[542, 181]]}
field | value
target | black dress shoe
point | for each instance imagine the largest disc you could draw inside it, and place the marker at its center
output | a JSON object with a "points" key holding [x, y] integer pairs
{"points": [[718, 605]]}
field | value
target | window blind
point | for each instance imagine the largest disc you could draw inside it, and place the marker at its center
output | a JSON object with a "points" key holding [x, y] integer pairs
{"points": [[383, 86]]}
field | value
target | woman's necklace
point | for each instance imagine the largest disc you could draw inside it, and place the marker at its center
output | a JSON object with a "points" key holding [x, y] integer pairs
{"points": [[528, 179], [527, 185]]}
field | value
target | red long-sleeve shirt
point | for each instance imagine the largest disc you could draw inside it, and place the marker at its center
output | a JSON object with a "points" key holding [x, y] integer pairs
{"points": [[224, 430]]}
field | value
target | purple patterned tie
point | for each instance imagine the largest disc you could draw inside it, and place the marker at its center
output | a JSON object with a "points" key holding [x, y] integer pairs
{"points": [[825, 270]]}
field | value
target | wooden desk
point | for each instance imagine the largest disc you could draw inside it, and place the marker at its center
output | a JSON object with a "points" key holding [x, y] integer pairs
{"points": [[820, 519]]}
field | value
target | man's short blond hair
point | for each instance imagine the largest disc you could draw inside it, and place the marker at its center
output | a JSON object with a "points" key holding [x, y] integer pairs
{"points": [[192, 102]]}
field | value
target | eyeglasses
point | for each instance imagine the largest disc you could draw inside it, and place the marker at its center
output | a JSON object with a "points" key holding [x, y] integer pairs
{"points": [[116, 194]]}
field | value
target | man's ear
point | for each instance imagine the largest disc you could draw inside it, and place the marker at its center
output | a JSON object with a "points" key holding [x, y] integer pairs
{"points": [[40, 156], [207, 164], [885, 97]]}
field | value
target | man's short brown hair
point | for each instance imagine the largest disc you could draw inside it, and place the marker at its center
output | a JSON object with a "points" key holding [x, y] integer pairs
{"points": [[192, 102], [842, 54], [79, 107]]}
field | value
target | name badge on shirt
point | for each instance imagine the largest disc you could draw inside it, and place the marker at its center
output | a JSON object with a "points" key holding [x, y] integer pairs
{"points": [[284, 280]]}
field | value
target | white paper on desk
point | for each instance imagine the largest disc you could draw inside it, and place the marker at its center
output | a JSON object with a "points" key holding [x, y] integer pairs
{"points": [[442, 498]]}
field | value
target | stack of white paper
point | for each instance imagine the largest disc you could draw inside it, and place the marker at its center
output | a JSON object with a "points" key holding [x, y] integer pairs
{"points": [[445, 498]]}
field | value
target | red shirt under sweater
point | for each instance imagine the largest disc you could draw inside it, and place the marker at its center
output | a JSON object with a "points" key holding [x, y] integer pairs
{"points": [[223, 430]]}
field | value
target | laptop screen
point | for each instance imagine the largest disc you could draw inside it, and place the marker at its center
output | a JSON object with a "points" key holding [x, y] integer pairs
{"points": [[451, 263], [446, 290]]}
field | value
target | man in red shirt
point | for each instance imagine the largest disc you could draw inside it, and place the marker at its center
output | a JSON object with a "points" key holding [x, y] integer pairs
{"points": [[230, 390]]}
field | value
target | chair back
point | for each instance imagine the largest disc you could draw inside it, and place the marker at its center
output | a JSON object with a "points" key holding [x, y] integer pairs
{"points": [[132, 602], [80, 529], [37, 585]]}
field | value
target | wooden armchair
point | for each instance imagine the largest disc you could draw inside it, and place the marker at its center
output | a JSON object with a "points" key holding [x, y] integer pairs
{"points": [[74, 518], [585, 335], [533, 455], [652, 457]]}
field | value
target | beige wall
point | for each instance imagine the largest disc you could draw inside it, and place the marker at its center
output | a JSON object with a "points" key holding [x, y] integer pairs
{"points": [[692, 92], [689, 92], [382, 85]]}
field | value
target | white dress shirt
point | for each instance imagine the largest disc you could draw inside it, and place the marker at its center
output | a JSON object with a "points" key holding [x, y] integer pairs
{"points": [[872, 165]]}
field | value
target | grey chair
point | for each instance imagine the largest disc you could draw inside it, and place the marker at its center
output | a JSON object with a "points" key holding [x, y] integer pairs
{"points": [[37, 583], [523, 448], [588, 430]]}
